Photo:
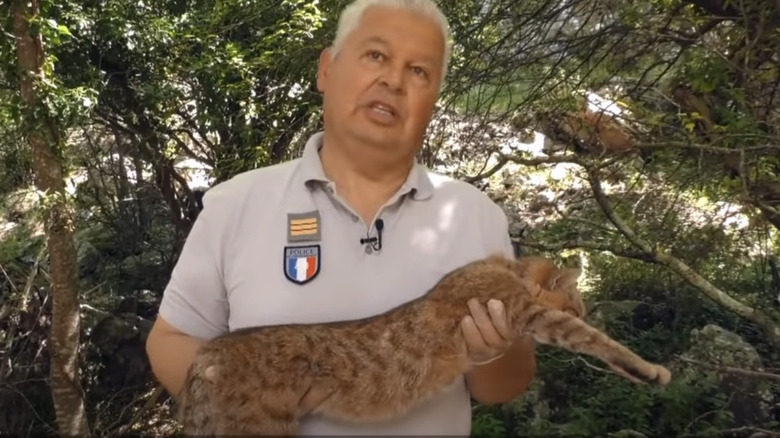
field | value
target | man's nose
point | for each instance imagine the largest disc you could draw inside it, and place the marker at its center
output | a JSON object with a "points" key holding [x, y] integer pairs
{"points": [[393, 78]]}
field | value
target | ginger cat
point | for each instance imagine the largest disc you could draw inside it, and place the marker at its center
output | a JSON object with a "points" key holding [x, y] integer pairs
{"points": [[599, 132], [553, 287], [252, 381]]}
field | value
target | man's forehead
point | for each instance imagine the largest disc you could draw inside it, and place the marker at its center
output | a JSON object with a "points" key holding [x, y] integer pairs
{"points": [[425, 52], [373, 39]]}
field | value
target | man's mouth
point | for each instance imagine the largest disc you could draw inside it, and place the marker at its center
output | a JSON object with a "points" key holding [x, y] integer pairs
{"points": [[383, 108]]}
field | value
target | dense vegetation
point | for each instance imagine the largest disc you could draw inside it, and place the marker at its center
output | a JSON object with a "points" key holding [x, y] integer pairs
{"points": [[115, 115]]}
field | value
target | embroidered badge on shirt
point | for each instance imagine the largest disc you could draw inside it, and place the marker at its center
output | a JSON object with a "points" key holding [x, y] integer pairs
{"points": [[303, 227], [301, 263]]}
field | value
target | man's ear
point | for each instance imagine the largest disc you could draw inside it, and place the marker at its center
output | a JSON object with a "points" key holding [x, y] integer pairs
{"points": [[325, 59]]}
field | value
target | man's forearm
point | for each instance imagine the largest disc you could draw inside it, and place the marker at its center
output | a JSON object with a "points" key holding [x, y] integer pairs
{"points": [[170, 355], [505, 378]]}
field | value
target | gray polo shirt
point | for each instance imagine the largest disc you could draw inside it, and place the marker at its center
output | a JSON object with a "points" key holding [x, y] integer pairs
{"points": [[276, 245]]}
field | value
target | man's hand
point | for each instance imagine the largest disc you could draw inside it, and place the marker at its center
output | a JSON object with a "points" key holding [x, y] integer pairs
{"points": [[506, 361], [486, 331], [314, 397]]}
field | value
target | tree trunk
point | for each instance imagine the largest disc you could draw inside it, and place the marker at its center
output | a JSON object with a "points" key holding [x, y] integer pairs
{"points": [[67, 393]]}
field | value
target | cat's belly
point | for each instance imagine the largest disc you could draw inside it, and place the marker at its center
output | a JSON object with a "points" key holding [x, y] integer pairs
{"points": [[447, 412]]}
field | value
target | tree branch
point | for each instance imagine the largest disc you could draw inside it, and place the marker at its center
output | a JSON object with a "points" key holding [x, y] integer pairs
{"points": [[158, 391], [583, 244], [770, 327], [606, 207], [554, 159], [648, 253], [732, 370], [493, 170], [183, 145], [709, 148], [737, 431]]}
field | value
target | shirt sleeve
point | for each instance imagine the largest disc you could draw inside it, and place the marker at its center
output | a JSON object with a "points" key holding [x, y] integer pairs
{"points": [[195, 298], [496, 229]]}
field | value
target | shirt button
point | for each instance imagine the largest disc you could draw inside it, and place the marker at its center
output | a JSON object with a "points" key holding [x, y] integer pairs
{"points": [[369, 250]]}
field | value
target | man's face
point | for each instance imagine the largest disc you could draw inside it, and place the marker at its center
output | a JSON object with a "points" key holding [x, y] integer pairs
{"points": [[381, 87]]}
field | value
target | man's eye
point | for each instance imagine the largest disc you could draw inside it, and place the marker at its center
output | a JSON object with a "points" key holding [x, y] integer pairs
{"points": [[420, 71], [376, 55]]}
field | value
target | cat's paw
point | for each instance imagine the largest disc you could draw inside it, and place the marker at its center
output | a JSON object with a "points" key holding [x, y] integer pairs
{"points": [[663, 375]]}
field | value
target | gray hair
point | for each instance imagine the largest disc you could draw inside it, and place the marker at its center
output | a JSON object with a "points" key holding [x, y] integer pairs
{"points": [[350, 19]]}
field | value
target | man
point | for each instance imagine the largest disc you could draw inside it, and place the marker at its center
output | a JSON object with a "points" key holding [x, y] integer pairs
{"points": [[351, 229]]}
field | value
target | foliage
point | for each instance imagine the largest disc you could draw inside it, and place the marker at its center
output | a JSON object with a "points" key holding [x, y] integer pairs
{"points": [[570, 398], [138, 88]]}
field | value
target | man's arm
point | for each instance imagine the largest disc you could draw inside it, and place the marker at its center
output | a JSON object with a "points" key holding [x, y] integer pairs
{"points": [[170, 354], [194, 306], [488, 336], [508, 362], [505, 378]]}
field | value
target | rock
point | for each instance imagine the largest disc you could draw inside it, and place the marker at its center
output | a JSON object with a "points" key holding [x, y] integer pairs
{"points": [[20, 203], [517, 228], [637, 315], [603, 312], [118, 344], [717, 346], [110, 331]]}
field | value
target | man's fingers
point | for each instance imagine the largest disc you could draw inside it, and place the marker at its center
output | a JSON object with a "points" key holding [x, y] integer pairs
{"points": [[498, 315], [313, 398], [471, 333], [485, 325]]}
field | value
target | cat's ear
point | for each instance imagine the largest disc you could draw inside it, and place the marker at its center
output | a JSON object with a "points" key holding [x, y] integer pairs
{"points": [[571, 274], [569, 277], [566, 277]]}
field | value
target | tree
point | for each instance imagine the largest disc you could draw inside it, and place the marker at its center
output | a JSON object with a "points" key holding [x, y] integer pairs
{"points": [[44, 140]]}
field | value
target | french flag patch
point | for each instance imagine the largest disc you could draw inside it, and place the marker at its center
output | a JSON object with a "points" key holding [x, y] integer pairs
{"points": [[301, 263]]}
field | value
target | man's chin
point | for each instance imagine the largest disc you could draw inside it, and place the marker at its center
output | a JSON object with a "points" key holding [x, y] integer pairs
{"points": [[380, 138]]}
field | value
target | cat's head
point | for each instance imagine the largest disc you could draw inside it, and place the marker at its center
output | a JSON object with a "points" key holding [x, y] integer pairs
{"points": [[552, 286], [560, 287]]}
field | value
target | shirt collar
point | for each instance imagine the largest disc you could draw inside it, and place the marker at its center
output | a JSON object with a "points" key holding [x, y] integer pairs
{"points": [[418, 183]]}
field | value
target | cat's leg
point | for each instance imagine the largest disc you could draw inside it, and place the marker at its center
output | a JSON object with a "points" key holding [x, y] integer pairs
{"points": [[252, 404], [278, 411], [554, 327], [198, 422], [261, 426], [195, 411], [271, 411], [629, 365]]}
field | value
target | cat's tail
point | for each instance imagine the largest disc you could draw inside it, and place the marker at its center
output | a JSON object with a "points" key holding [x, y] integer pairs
{"points": [[554, 327]]}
